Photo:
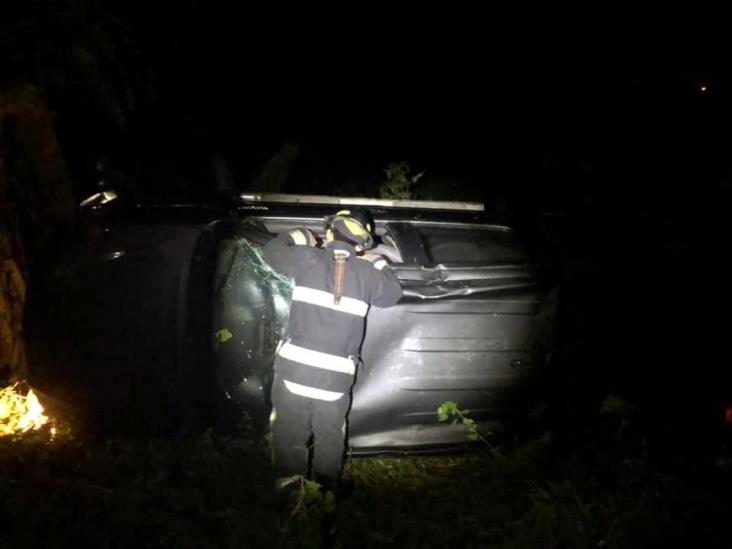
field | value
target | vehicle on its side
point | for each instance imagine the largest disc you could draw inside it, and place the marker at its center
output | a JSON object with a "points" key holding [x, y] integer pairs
{"points": [[475, 323], [181, 296]]}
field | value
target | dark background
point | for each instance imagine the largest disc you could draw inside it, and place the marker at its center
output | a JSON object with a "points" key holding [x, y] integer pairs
{"points": [[607, 130], [552, 107], [602, 131]]}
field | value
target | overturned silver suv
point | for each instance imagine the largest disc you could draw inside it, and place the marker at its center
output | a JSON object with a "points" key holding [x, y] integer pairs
{"points": [[166, 315], [474, 326]]}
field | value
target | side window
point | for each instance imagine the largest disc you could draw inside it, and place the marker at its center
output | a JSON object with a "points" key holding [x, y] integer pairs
{"points": [[479, 245], [277, 226], [387, 246]]}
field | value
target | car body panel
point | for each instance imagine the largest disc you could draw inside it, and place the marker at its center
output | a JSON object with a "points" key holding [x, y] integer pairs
{"points": [[180, 301], [478, 335], [483, 353]]}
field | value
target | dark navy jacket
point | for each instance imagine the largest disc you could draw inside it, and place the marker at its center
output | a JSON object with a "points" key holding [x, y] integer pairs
{"points": [[322, 340]]}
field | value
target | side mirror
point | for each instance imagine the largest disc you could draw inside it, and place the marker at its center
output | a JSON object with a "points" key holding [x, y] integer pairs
{"points": [[97, 200], [94, 210]]}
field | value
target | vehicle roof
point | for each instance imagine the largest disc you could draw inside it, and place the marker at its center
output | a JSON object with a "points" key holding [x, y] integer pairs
{"points": [[379, 213], [362, 201]]}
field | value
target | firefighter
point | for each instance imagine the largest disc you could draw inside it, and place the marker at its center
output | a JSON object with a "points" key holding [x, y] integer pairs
{"points": [[316, 360]]}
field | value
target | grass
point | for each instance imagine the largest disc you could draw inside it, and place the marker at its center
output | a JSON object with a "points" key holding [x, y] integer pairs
{"points": [[199, 491], [208, 490]]}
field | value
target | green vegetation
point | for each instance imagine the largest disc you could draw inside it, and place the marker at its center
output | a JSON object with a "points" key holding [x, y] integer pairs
{"points": [[399, 181], [449, 410], [197, 491], [209, 490]]}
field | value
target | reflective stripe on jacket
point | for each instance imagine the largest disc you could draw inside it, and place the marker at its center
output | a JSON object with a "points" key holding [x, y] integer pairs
{"points": [[322, 337]]}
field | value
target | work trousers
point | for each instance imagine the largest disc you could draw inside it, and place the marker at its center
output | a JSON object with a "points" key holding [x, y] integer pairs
{"points": [[301, 425]]}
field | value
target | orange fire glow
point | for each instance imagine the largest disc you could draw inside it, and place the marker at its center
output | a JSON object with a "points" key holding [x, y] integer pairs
{"points": [[20, 413]]}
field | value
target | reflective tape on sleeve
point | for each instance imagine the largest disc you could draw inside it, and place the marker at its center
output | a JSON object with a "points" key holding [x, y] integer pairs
{"points": [[325, 299], [316, 359], [311, 392]]}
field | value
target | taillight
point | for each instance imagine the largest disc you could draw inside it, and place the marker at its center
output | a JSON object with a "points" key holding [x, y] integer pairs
{"points": [[728, 415]]}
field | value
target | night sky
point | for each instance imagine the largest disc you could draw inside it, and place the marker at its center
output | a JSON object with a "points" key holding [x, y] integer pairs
{"points": [[549, 105]]}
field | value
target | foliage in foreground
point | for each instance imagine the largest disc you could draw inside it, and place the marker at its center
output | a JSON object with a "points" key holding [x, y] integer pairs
{"points": [[214, 491], [198, 491]]}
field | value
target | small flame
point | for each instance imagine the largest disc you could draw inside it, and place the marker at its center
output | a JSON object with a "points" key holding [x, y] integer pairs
{"points": [[20, 413]]}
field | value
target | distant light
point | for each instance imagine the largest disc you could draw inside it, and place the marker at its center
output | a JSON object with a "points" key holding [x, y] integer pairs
{"points": [[702, 88]]}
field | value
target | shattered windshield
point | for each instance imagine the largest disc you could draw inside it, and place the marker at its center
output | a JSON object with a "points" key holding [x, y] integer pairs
{"points": [[261, 269], [251, 315]]}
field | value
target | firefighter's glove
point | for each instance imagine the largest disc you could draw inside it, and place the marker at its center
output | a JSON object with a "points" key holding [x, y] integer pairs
{"points": [[303, 237], [378, 261]]}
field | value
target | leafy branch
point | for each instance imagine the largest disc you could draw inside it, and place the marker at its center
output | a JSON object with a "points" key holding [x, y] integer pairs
{"points": [[449, 411], [617, 407], [399, 181], [311, 502]]}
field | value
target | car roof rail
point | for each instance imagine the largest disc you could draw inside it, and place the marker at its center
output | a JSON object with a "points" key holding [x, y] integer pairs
{"points": [[282, 198]]}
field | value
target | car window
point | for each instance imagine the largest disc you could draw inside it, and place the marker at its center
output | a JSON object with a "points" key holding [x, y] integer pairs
{"points": [[385, 244], [479, 245], [277, 226]]}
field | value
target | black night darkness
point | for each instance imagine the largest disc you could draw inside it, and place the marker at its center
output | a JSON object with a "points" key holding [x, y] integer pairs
{"points": [[549, 185]]}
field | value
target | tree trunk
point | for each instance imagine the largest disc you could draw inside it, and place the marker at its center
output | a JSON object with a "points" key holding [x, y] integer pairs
{"points": [[35, 204]]}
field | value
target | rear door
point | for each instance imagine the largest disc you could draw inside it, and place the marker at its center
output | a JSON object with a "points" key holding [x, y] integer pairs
{"points": [[474, 326]]}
